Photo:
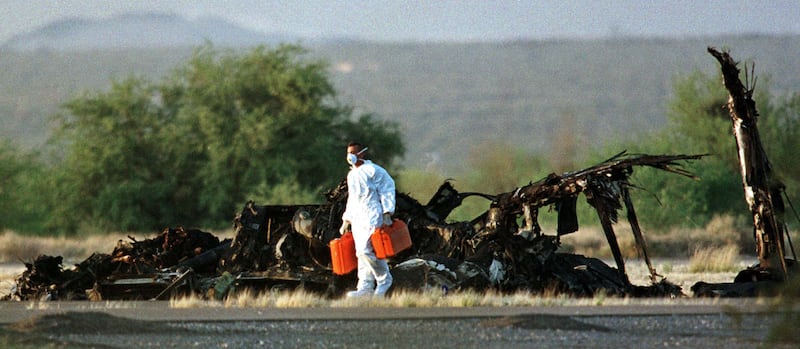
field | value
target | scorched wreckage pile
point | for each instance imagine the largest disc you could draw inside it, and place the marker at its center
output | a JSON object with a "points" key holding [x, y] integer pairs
{"points": [[503, 249]]}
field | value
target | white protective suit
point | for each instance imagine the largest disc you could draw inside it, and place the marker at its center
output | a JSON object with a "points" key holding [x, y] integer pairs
{"points": [[370, 194]]}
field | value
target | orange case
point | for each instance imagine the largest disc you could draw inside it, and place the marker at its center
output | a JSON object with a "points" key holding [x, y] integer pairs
{"points": [[391, 240], [343, 254]]}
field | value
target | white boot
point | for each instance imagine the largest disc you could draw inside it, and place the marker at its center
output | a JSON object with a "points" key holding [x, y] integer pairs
{"points": [[383, 277], [384, 285], [359, 293], [366, 281]]}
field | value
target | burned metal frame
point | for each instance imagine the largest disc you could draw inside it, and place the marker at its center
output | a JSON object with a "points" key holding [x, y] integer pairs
{"points": [[762, 190], [606, 187], [285, 246]]}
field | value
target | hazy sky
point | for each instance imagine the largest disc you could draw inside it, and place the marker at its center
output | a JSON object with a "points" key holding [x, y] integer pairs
{"points": [[440, 20]]}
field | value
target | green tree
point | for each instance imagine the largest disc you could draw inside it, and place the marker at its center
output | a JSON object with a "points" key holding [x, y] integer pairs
{"points": [[21, 206], [114, 174], [699, 123], [226, 127], [780, 131], [496, 167]]}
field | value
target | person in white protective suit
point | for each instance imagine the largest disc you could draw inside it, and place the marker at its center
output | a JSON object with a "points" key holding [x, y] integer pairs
{"points": [[370, 204]]}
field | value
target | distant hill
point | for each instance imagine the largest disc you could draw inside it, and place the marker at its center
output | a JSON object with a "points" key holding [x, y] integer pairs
{"points": [[529, 94], [448, 97], [139, 30]]}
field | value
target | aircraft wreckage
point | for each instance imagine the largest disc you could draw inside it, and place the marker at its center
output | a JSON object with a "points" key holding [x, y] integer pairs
{"points": [[285, 247], [503, 249]]}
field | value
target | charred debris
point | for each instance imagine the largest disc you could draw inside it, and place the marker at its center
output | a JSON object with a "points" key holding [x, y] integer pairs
{"points": [[286, 247], [763, 193]]}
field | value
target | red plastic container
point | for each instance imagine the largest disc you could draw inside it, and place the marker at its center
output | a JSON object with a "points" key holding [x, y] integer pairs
{"points": [[343, 254], [391, 240]]}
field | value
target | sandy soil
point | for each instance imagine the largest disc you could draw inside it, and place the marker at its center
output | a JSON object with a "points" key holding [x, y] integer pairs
{"points": [[8, 272], [676, 270]]}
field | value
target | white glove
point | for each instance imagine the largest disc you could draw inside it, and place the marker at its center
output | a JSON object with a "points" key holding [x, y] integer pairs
{"points": [[387, 219], [344, 228]]}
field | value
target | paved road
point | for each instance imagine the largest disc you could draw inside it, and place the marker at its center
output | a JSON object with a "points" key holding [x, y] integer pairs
{"points": [[686, 324]]}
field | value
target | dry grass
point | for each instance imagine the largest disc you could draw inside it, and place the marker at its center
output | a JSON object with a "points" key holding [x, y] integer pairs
{"points": [[194, 301], [430, 299], [15, 247], [676, 243], [715, 259], [589, 241], [401, 299]]}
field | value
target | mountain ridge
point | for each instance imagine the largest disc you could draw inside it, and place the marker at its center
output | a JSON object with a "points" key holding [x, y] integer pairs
{"points": [[139, 30], [448, 98]]}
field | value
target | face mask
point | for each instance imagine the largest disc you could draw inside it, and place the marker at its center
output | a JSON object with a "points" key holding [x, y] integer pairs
{"points": [[352, 159]]}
